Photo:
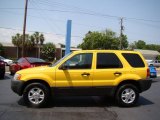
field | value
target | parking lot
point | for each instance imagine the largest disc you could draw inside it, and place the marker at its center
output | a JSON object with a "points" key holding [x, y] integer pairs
{"points": [[79, 108]]}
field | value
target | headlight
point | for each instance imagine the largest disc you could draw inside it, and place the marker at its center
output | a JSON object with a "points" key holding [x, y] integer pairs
{"points": [[17, 76]]}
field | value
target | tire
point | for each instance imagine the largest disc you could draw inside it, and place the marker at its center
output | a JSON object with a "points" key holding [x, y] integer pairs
{"points": [[2, 76], [12, 73], [127, 95], [36, 95]]}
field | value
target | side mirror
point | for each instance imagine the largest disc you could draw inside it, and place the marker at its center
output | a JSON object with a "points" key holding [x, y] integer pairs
{"points": [[63, 67]]}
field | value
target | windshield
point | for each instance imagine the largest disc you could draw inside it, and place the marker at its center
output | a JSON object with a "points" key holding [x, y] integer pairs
{"points": [[54, 64], [2, 58]]}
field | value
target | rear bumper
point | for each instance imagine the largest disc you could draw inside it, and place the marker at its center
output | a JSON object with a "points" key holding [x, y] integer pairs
{"points": [[145, 84]]}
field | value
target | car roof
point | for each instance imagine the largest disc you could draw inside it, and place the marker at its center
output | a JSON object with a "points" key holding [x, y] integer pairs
{"points": [[115, 51]]}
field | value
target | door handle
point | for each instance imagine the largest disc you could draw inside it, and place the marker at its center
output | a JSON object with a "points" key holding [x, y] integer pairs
{"points": [[85, 74], [117, 73]]}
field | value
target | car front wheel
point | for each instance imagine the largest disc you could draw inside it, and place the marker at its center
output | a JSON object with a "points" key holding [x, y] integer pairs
{"points": [[36, 95], [127, 95]]}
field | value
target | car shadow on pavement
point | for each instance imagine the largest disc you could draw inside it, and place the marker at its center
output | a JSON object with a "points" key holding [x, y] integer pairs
{"points": [[143, 101], [89, 101]]}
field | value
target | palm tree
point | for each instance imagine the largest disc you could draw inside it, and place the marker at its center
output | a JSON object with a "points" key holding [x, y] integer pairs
{"points": [[41, 39], [38, 39], [17, 41], [32, 40], [41, 42]]}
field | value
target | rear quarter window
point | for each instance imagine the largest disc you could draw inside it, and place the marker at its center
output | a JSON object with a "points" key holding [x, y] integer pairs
{"points": [[134, 60]]}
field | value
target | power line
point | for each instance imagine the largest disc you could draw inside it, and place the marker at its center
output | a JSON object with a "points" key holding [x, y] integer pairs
{"points": [[89, 13], [16, 29]]}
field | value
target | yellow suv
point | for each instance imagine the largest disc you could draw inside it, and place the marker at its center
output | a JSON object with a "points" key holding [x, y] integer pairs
{"points": [[120, 74]]}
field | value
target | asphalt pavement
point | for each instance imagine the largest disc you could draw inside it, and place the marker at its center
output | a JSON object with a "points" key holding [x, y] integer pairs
{"points": [[12, 106]]}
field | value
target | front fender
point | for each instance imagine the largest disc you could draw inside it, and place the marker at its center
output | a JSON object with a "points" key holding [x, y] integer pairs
{"points": [[47, 78]]}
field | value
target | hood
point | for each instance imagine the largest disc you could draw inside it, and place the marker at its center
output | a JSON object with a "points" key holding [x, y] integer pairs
{"points": [[7, 60], [41, 69]]}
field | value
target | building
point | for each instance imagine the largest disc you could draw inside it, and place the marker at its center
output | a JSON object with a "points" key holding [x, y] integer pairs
{"points": [[149, 54], [13, 52]]}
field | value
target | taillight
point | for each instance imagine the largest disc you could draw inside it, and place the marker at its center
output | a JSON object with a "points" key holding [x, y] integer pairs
{"points": [[2, 63], [148, 72]]}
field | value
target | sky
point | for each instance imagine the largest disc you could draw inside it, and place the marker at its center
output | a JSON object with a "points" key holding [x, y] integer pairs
{"points": [[141, 18]]}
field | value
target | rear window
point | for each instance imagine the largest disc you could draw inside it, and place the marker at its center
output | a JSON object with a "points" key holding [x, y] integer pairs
{"points": [[134, 60], [35, 60]]}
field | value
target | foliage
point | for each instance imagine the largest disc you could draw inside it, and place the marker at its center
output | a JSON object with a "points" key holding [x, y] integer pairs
{"points": [[48, 50], [102, 40], [158, 57], [1, 48], [140, 44], [124, 42], [30, 40]]}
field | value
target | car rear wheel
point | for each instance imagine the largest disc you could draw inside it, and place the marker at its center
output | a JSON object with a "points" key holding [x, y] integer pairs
{"points": [[127, 95], [36, 95], [2, 74]]}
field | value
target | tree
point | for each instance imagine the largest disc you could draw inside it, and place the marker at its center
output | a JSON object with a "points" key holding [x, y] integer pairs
{"points": [[48, 50], [38, 40], [140, 44], [132, 46], [17, 41], [102, 40], [41, 38], [124, 42], [1, 49]]}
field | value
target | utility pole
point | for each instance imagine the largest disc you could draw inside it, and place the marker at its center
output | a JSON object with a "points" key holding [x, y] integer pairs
{"points": [[121, 31], [24, 26]]}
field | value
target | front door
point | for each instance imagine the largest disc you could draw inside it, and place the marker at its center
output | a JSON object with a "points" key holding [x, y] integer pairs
{"points": [[75, 72]]}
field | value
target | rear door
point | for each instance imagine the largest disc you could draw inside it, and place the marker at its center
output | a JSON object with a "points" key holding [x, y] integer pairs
{"points": [[108, 68]]}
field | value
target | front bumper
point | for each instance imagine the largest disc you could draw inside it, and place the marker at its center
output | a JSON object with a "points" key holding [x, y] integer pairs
{"points": [[145, 84], [17, 86]]}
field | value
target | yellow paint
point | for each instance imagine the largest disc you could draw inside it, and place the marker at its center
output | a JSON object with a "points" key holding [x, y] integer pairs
{"points": [[56, 77]]}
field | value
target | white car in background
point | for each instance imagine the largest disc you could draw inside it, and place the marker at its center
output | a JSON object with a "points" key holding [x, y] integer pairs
{"points": [[7, 61], [155, 63]]}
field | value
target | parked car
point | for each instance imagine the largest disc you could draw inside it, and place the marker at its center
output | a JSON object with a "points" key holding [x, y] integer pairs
{"points": [[155, 63], [2, 69], [120, 74], [7, 61], [26, 62], [153, 71]]}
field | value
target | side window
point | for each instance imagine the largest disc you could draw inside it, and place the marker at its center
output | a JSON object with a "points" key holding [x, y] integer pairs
{"points": [[108, 60], [80, 61], [134, 60]]}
